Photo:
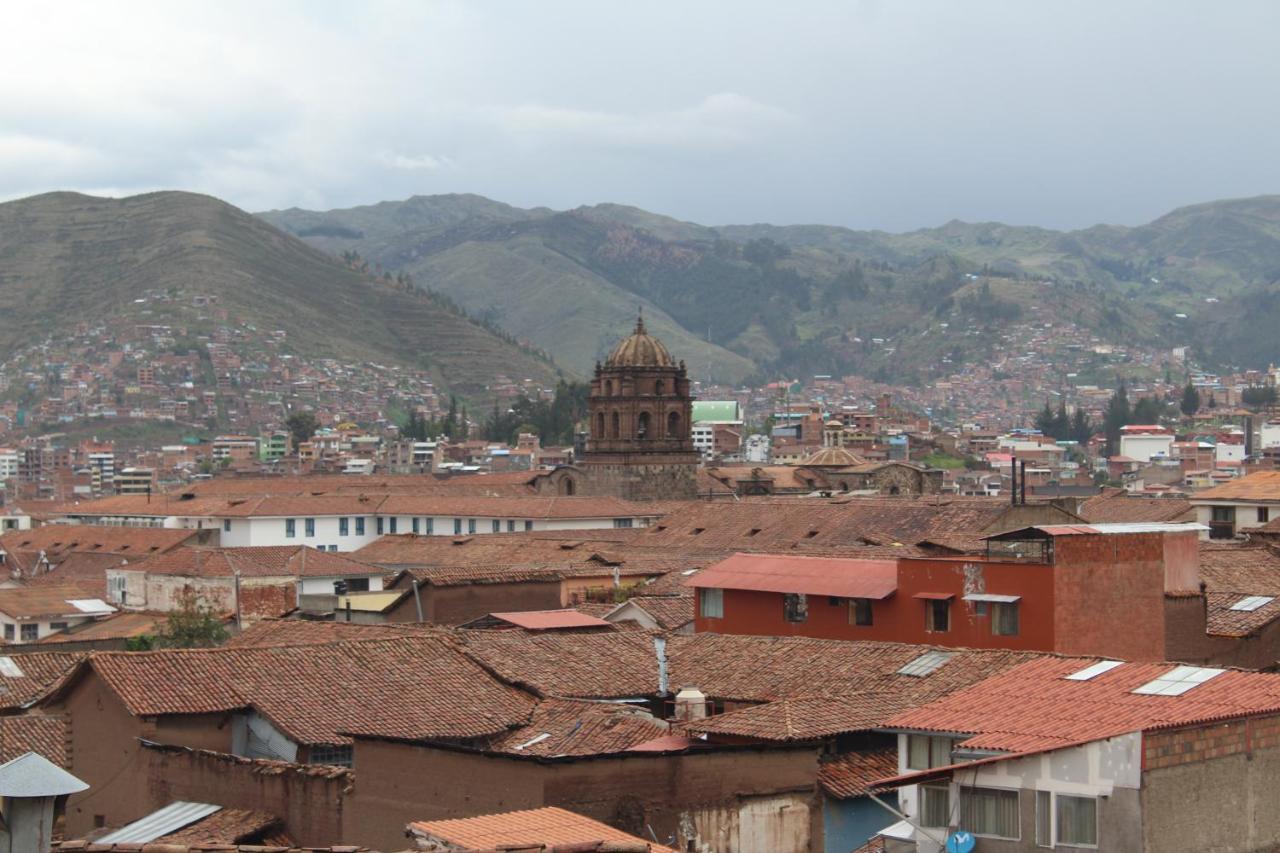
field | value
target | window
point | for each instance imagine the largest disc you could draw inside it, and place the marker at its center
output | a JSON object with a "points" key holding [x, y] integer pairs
{"points": [[391, 524], [1178, 680], [1264, 514], [1250, 603], [1223, 523], [333, 547], [528, 525], [925, 752], [795, 607], [471, 525], [8, 632], [990, 811], [511, 525], [1077, 820], [359, 525], [1094, 670], [416, 525], [378, 522], [1044, 819], [860, 611], [290, 528], [226, 525], [1004, 619], [339, 756], [457, 527], [935, 805], [497, 526], [642, 430], [357, 584], [309, 528], [673, 425], [937, 615], [615, 425], [344, 526], [711, 603], [925, 663], [622, 522], [29, 633], [58, 626], [600, 425], [431, 526]]}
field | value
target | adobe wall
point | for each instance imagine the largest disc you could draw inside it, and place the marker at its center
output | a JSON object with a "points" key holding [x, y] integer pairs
{"points": [[310, 800], [1212, 788], [400, 782], [641, 480], [453, 605], [1186, 640]]}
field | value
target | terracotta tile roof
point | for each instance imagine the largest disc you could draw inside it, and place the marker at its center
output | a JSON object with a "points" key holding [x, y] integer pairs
{"points": [[1258, 486], [669, 611], [619, 664], [518, 507], [225, 826], [1117, 505], [573, 728], [29, 677], [851, 774], [114, 627], [505, 483], [46, 735], [545, 826], [805, 717], [875, 579], [35, 602], [412, 687], [60, 539], [304, 632], [776, 524], [1033, 706], [84, 569], [1222, 621], [1249, 568], [81, 846], [267, 561]]}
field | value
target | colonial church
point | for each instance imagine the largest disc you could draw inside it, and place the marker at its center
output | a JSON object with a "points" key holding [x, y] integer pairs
{"points": [[640, 444]]}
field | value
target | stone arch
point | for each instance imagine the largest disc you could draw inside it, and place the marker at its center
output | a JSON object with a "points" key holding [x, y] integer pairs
{"points": [[673, 425], [642, 425], [615, 425], [568, 487], [599, 424], [659, 387], [608, 387]]}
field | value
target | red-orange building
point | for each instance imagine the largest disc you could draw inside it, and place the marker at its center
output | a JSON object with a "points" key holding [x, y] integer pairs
{"points": [[1075, 589]]}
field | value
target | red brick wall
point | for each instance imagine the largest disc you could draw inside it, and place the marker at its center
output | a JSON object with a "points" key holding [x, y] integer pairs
{"points": [[453, 605], [1109, 595], [1204, 743]]}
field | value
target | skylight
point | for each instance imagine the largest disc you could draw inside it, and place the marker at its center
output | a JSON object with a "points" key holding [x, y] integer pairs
{"points": [[1178, 680], [9, 668], [926, 663], [1252, 603], [1094, 670]]}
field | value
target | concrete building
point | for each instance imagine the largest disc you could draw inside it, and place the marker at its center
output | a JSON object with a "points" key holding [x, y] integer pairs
{"points": [[1250, 501], [28, 615]]}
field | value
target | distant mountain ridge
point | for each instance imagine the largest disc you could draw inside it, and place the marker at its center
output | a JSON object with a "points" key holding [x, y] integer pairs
{"points": [[738, 300], [67, 258]]}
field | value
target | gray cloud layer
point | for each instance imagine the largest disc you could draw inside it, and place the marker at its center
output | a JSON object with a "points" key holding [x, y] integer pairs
{"points": [[892, 114]]}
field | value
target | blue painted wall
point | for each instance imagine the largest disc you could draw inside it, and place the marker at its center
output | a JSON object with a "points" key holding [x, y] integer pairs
{"points": [[847, 824]]}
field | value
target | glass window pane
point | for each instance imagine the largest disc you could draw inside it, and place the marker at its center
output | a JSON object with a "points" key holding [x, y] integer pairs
{"points": [[935, 806], [989, 811], [1077, 820], [939, 751], [1044, 819], [918, 752]]}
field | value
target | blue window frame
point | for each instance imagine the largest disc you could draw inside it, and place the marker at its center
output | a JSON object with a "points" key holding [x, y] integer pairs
{"points": [[511, 525], [226, 525], [416, 526], [497, 526], [290, 528], [344, 526], [431, 525], [391, 524], [471, 525], [528, 525], [457, 526], [359, 525], [378, 525], [309, 525]]}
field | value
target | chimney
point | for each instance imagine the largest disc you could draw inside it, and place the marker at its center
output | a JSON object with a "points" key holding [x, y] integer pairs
{"points": [[691, 704], [31, 788]]}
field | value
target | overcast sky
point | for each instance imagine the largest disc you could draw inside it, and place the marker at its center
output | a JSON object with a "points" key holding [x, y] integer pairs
{"points": [[879, 114]]}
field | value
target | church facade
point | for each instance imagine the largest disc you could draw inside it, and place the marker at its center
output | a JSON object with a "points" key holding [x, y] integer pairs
{"points": [[640, 439]]}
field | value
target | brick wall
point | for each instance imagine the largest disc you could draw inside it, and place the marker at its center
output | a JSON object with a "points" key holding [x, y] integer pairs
{"points": [[1109, 596]]}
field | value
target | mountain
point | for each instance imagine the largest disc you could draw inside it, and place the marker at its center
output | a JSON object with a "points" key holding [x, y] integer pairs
{"points": [[739, 300], [67, 258]]}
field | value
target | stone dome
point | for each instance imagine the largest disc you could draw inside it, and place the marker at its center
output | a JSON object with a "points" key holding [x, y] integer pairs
{"points": [[640, 350], [832, 457]]}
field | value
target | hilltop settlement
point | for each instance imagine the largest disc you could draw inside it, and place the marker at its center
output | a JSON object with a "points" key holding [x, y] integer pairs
{"points": [[254, 601]]}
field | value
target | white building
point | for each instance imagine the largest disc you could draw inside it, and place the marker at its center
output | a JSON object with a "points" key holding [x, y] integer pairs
{"points": [[1228, 509], [1145, 442], [8, 464], [29, 614]]}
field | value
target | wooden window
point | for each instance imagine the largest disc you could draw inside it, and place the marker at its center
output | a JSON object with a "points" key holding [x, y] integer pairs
{"points": [[937, 615], [711, 603], [795, 607], [1004, 619], [860, 611]]}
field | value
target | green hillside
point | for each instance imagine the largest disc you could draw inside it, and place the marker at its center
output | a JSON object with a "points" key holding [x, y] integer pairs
{"points": [[792, 299], [67, 258]]}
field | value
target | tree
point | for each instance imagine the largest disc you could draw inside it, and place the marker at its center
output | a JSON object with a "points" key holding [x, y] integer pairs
{"points": [[1190, 400], [302, 425], [193, 625], [1116, 416], [1148, 410], [1081, 427]]}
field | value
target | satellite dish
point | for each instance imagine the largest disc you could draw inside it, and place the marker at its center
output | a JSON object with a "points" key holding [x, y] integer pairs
{"points": [[960, 842]]}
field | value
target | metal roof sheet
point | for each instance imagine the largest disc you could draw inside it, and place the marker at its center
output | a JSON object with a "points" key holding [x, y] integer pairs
{"points": [[541, 620], [33, 775], [843, 578], [160, 823]]}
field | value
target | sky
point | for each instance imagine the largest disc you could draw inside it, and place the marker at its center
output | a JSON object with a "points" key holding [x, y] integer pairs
{"points": [[888, 114]]}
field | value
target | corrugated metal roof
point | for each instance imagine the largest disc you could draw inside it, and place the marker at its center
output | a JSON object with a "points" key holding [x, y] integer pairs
{"points": [[33, 775], [541, 620], [160, 823], [843, 578]]}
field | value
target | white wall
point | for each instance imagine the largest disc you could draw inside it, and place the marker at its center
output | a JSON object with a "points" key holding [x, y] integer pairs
{"points": [[1269, 435], [43, 628], [246, 532], [1145, 447]]}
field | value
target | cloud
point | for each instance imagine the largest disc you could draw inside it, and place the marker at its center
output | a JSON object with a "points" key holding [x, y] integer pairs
{"points": [[414, 162]]}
